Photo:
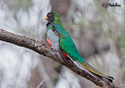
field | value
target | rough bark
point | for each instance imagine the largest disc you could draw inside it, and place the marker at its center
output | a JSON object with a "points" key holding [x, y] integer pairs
{"points": [[45, 50]]}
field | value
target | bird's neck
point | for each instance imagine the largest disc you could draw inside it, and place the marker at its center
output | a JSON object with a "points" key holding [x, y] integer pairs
{"points": [[50, 24], [53, 23], [57, 21]]}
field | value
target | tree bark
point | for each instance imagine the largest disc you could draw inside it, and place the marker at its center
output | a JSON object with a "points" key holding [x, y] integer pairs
{"points": [[45, 50]]}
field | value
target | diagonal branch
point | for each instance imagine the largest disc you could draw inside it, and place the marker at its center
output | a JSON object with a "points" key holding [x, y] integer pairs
{"points": [[45, 50]]}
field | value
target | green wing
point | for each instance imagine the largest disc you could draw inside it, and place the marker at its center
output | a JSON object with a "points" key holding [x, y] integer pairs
{"points": [[67, 45]]}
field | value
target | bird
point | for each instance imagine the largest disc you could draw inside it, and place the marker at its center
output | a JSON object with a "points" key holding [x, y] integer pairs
{"points": [[60, 40]]}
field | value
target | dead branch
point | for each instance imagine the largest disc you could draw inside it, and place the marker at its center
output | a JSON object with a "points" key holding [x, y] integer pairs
{"points": [[45, 50]]}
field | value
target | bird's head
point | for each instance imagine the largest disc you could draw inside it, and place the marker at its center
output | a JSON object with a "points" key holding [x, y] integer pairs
{"points": [[53, 17]]}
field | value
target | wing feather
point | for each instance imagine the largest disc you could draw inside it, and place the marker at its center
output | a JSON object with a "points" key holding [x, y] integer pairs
{"points": [[67, 45]]}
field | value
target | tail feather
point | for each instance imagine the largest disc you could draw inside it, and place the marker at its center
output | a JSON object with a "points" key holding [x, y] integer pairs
{"points": [[96, 73]]}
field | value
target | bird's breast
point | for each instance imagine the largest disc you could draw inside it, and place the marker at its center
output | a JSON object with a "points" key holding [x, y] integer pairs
{"points": [[53, 39]]}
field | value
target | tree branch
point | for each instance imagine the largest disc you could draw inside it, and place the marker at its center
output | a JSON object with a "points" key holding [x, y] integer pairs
{"points": [[45, 50]]}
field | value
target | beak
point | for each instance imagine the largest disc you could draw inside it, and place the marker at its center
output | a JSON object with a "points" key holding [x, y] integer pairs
{"points": [[46, 18]]}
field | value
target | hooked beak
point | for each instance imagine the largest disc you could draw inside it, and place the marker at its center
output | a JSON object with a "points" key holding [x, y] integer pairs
{"points": [[46, 18]]}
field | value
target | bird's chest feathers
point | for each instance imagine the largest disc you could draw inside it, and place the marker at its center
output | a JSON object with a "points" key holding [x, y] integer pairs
{"points": [[53, 39]]}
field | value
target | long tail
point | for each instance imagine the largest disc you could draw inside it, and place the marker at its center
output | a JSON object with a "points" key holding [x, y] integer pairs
{"points": [[96, 73]]}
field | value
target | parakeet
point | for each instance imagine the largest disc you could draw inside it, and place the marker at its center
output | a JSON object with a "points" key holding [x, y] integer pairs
{"points": [[59, 39]]}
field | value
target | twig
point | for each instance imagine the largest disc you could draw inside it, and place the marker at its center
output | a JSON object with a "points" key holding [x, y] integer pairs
{"points": [[44, 74], [40, 84]]}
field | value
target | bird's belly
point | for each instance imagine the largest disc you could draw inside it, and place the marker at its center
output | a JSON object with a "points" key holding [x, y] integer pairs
{"points": [[53, 39]]}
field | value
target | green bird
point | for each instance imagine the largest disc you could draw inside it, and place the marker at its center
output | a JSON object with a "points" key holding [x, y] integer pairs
{"points": [[59, 39]]}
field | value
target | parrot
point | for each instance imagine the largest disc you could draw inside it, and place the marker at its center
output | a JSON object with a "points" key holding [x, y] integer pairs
{"points": [[60, 40]]}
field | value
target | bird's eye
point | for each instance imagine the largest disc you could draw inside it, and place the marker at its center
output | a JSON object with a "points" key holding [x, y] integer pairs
{"points": [[49, 15]]}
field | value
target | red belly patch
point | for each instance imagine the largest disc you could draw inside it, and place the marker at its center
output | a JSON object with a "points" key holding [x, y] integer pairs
{"points": [[49, 42], [65, 54]]}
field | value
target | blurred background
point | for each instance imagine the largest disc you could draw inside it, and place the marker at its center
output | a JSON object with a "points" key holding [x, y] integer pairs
{"points": [[98, 32]]}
